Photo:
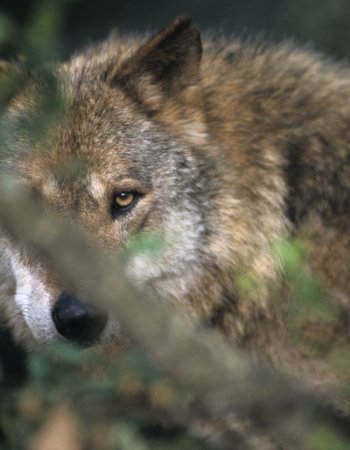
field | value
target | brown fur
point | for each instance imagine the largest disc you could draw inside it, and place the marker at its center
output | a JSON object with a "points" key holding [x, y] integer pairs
{"points": [[251, 140]]}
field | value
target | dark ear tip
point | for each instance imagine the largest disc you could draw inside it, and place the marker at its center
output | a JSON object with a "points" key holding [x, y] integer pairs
{"points": [[174, 48], [182, 23]]}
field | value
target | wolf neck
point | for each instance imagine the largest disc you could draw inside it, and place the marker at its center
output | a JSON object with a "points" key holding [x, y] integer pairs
{"points": [[277, 126], [285, 161]]}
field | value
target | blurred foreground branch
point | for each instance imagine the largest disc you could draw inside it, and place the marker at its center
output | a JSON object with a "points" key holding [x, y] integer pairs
{"points": [[223, 380]]}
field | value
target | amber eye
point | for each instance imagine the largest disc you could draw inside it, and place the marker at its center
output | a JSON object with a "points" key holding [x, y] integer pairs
{"points": [[123, 202], [124, 199]]}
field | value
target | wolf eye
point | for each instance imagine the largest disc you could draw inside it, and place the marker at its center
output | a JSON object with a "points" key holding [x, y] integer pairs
{"points": [[123, 201]]}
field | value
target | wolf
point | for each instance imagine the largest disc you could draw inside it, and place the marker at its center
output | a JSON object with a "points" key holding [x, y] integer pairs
{"points": [[218, 147]]}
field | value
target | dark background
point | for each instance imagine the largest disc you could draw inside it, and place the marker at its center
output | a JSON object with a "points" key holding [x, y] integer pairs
{"points": [[325, 23]]}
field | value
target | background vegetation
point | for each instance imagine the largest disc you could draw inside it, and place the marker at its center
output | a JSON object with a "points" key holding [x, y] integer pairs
{"points": [[325, 23]]}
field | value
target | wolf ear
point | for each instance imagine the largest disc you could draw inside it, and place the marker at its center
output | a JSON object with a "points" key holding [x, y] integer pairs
{"points": [[170, 59], [163, 75]]}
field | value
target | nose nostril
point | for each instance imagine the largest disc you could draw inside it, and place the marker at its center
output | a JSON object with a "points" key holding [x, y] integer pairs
{"points": [[77, 321]]}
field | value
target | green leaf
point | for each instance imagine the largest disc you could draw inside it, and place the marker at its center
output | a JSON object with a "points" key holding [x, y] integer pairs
{"points": [[325, 439], [8, 29], [145, 243], [41, 36]]}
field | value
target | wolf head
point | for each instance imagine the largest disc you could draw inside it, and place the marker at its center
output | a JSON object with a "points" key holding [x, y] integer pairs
{"points": [[129, 159]]}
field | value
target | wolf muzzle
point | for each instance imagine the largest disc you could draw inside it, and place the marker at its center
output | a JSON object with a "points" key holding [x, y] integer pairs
{"points": [[78, 321]]}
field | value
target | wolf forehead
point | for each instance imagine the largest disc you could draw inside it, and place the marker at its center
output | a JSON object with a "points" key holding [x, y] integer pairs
{"points": [[97, 136]]}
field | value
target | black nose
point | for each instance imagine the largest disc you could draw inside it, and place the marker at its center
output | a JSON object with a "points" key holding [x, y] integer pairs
{"points": [[77, 321]]}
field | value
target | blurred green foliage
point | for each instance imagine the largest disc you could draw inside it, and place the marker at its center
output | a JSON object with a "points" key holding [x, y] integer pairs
{"points": [[125, 394], [145, 243], [325, 23], [325, 439], [42, 32], [309, 293]]}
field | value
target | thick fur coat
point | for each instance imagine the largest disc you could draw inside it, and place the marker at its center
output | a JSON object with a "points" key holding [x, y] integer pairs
{"points": [[223, 147]]}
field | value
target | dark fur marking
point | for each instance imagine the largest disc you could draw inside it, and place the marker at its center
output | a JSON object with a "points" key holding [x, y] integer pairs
{"points": [[226, 306], [293, 171], [13, 361]]}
